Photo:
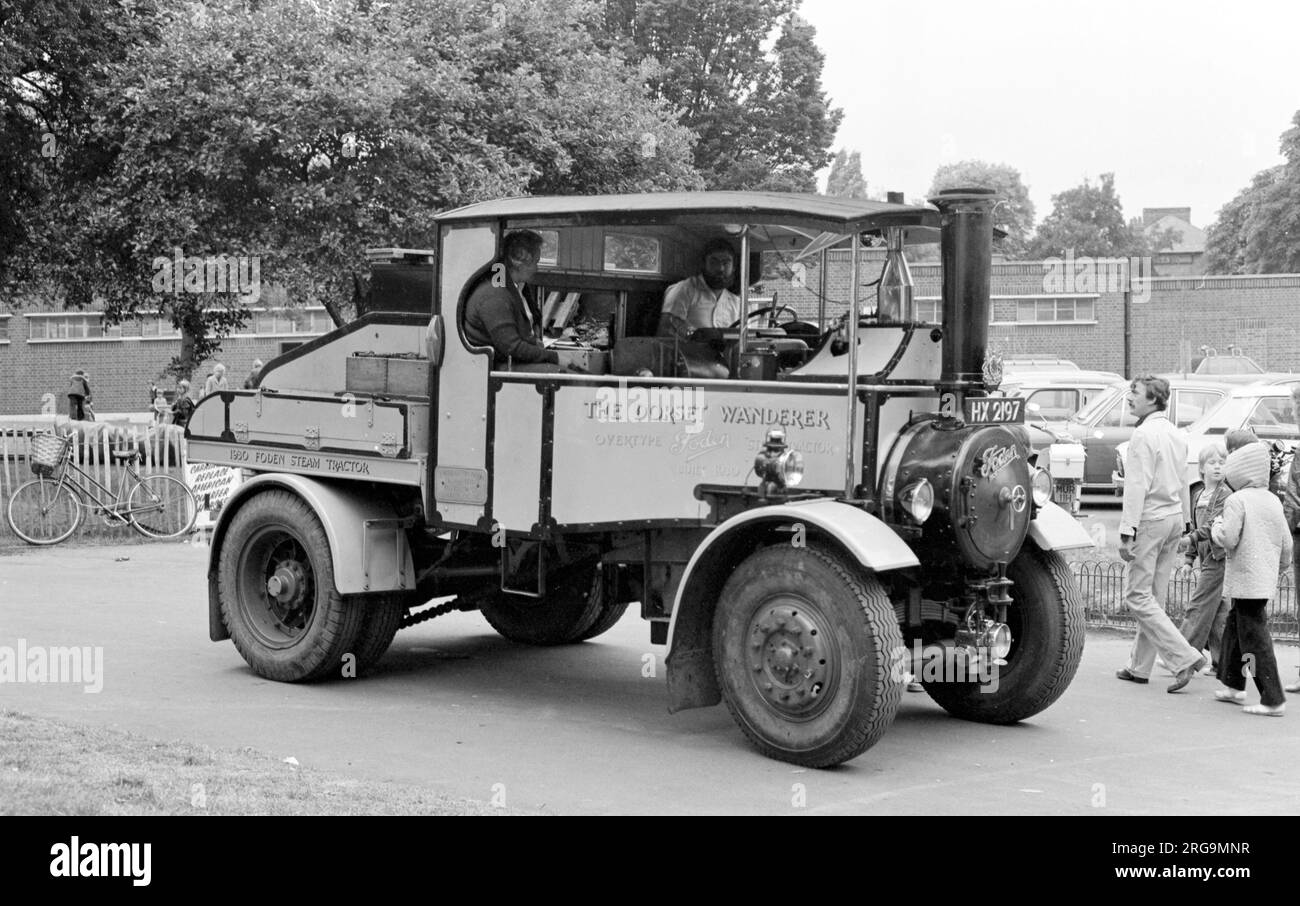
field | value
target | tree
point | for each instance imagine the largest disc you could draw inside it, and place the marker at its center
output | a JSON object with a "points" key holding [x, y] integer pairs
{"points": [[297, 133], [54, 54], [1089, 221], [1258, 232], [762, 118], [846, 177], [1014, 215]]}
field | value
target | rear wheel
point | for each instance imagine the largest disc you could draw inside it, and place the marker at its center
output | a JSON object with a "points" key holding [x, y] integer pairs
{"points": [[42, 511], [379, 625], [278, 600], [569, 609], [803, 643], [162, 507], [1047, 632], [610, 611]]}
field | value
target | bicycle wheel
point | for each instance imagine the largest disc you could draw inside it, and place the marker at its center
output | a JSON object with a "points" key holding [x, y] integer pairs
{"points": [[42, 511], [161, 507]]}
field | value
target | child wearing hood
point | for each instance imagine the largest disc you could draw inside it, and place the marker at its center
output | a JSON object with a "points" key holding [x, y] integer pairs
{"points": [[1257, 541]]}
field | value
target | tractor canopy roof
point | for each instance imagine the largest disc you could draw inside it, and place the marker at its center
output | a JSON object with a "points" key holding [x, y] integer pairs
{"points": [[821, 221]]}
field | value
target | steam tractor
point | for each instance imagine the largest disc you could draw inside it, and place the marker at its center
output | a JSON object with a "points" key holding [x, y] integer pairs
{"points": [[802, 509]]}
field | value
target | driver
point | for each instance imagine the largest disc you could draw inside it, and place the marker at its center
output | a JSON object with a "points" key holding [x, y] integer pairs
{"points": [[703, 300]]}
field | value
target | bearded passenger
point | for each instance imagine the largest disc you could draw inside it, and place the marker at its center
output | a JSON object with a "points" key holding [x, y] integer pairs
{"points": [[704, 300]]}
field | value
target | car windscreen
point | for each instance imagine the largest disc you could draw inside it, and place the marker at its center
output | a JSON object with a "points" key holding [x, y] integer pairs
{"points": [[1097, 402], [1221, 419]]}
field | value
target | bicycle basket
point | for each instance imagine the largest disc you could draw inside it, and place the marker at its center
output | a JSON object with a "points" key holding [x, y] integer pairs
{"points": [[48, 453]]}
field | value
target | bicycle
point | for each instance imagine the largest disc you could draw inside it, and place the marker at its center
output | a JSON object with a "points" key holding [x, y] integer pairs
{"points": [[50, 507]]}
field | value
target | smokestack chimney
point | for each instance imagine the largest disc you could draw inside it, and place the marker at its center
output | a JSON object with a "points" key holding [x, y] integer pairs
{"points": [[966, 249]]}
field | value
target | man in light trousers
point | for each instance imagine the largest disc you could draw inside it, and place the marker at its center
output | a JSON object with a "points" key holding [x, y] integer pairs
{"points": [[1157, 511]]}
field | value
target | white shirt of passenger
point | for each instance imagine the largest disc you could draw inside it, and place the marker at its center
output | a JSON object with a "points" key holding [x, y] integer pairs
{"points": [[699, 306]]}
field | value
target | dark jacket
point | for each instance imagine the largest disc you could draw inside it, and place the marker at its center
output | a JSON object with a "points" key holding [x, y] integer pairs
{"points": [[494, 316], [1202, 543], [182, 409], [1291, 499]]}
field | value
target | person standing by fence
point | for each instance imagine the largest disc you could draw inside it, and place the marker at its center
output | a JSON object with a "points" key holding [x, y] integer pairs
{"points": [[1156, 512], [1254, 533], [78, 395]]}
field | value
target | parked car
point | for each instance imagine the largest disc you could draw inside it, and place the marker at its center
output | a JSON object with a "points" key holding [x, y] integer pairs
{"points": [[1059, 394], [1014, 366], [1106, 423], [1232, 369], [1051, 397], [1267, 409]]}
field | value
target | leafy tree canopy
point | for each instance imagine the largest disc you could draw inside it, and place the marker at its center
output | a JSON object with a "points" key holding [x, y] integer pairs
{"points": [[300, 132], [1258, 232], [1089, 220], [846, 176], [761, 115]]}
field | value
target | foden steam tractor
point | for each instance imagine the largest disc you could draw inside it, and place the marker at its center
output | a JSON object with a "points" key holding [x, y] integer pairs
{"points": [[799, 508]]}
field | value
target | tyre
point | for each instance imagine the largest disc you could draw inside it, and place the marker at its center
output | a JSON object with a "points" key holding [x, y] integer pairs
{"points": [[609, 613], [571, 606], [802, 646], [42, 511], [275, 579], [162, 507], [1047, 632], [379, 623]]}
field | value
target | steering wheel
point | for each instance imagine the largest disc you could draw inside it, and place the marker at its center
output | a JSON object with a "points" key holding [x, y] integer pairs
{"points": [[771, 311]]}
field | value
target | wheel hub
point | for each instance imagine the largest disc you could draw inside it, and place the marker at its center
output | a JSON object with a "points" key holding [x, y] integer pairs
{"points": [[790, 658], [287, 584]]}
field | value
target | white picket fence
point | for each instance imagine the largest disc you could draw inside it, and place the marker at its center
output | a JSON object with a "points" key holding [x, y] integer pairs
{"points": [[163, 449]]}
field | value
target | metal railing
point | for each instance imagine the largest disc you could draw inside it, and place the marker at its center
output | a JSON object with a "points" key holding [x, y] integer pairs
{"points": [[1101, 582]]}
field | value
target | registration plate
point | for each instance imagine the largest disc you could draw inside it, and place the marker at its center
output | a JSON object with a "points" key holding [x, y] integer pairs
{"points": [[994, 410]]}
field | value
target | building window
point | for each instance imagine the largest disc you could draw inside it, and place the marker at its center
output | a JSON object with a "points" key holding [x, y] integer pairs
{"points": [[550, 248], [281, 321], [929, 310], [158, 328], [631, 254], [70, 327], [1056, 310], [4, 328]]}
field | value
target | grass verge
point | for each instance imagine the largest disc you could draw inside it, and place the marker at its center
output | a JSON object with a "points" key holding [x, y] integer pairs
{"points": [[49, 767]]}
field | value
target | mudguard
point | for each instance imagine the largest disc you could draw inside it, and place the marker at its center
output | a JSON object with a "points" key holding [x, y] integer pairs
{"points": [[1053, 529], [368, 546]]}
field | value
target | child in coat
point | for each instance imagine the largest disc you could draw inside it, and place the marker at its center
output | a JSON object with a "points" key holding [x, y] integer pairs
{"points": [[1257, 541], [1207, 613]]}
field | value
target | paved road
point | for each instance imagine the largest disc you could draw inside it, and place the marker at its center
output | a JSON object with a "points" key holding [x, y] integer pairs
{"points": [[581, 730]]}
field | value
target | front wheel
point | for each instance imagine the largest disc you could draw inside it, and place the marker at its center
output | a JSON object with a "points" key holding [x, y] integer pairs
{"points": [[42, 511], [1046, 620], [161, 507], [803, 643], [275, 579]]}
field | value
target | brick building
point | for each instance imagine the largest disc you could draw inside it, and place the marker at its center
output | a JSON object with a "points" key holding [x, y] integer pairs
{"points": [[39, 350]]}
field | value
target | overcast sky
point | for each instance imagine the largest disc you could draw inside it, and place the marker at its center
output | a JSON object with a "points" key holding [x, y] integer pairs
{"points": [[1184, 102]]}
